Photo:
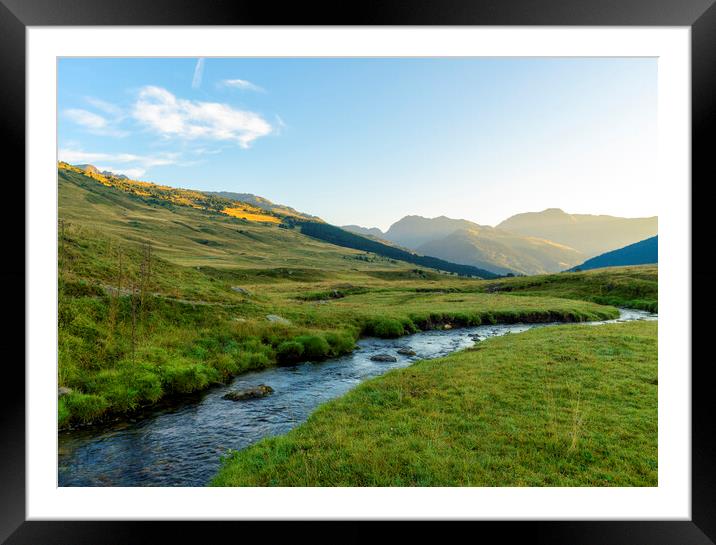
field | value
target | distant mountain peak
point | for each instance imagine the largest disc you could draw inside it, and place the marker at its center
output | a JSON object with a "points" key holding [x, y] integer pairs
{"points": [[589, 233], [360, 230]]}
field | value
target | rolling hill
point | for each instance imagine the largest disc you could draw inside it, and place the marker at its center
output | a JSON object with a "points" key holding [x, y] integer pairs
{"points": [[262, 203], [590, 234], [644, 252], [189, 227]]}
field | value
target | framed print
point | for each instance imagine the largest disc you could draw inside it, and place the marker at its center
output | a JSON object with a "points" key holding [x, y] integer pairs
{"points": [[432, 263]]}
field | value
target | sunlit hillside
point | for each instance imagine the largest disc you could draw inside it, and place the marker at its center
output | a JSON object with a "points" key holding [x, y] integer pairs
{"points": [[180, 197]]}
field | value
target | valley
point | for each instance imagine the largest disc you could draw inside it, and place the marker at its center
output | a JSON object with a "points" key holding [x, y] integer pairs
{"points": [[167, 294]]}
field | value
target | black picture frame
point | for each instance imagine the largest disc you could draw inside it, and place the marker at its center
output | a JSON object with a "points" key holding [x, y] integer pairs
{"points": [[16, 15]]}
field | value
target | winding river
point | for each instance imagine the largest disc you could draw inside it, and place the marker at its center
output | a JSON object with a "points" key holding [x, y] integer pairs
{"points": [[181, 445]]}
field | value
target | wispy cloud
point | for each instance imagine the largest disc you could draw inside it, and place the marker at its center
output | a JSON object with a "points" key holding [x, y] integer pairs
{"points": [[132, 165], [198, 73], [95, 123], [134, 173], [243, 84], [164, 113], [106, 107], [86, 119]]}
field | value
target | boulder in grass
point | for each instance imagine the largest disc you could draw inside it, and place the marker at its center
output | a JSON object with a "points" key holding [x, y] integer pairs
{"points": [[277, 319], [384, 358], [239, 289], [249, 393], [63, 391]]}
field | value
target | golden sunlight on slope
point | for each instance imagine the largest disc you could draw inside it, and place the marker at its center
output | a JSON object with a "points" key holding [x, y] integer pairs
{"points": [[247, 214], [177, 196]]}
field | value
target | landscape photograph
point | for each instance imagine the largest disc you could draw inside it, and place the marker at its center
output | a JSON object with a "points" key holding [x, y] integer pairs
{"points": [[357, 272]]}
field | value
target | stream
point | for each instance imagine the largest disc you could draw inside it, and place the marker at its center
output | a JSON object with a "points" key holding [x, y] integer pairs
{"points": [[181, 445]]}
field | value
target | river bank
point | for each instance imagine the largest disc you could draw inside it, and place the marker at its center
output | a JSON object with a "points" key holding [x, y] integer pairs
{"points": [[182, 445]]}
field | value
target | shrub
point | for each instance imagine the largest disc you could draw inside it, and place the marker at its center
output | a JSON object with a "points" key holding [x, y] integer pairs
{"points": [[63, 413], [315, 347], [289, 352], [384, 328], [226, 364], [340, 343], [81, 289], [184, 379], [84, 407]]}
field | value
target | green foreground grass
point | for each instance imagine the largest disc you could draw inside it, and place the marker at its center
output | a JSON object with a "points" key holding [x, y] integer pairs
{"points": [[560, 406]]}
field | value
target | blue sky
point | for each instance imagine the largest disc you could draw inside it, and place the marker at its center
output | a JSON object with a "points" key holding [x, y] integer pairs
{"points": [[368, 141]]}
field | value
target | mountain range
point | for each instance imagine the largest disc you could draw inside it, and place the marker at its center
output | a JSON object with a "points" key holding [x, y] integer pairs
{"points": [[529, 243], [590, 234]]}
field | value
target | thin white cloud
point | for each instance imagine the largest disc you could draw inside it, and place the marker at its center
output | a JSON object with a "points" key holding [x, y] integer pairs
{"points": [[198, 73], [94, 123], [85, 118], [132, 161], [164, 113], [106, 107], [133, 173], [243, 84], [280, 124]]}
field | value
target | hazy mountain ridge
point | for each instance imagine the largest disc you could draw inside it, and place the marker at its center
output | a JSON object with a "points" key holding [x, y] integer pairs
{"points": [[590, 234], [462, 241], [644, 252], [366, 231], [502, 251], [414, 231]]}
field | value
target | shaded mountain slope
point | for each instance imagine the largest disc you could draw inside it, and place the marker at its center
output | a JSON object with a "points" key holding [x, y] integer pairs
{"points": [[640, 253]]}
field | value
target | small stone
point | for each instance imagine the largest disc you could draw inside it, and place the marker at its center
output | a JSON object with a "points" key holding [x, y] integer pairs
{"points": [[384, 358], [447, 326], [262, 390]]}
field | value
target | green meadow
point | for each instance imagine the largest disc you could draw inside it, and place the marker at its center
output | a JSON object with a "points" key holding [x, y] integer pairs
{"points": [[559, 406], [158, 300]]}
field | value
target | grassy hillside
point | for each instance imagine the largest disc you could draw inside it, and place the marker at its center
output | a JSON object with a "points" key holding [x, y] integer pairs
{"points": [[567, 406], [632, 287], [159, 299]]}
